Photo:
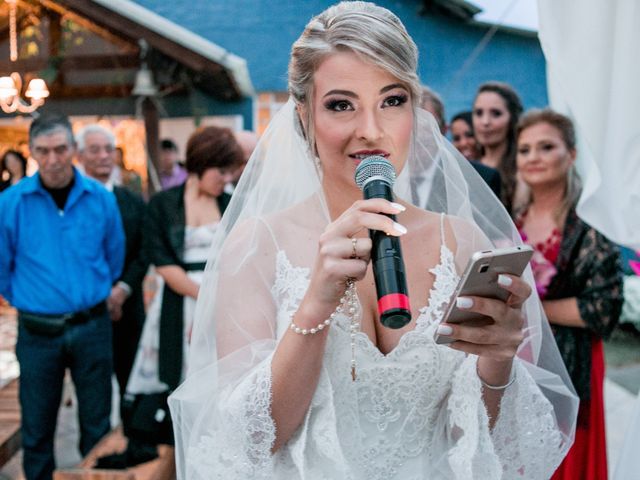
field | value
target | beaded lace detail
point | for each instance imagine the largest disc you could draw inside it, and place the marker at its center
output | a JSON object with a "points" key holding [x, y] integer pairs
{"points": [[539, 441], [289, 287], [245, 422]]}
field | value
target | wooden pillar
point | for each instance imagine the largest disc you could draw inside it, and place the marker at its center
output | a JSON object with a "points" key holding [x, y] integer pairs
{"points": [[56, 79], [152, 134]]}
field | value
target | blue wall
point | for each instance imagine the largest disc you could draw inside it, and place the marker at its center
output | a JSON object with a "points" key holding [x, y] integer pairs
{"points": [[262, 32]]}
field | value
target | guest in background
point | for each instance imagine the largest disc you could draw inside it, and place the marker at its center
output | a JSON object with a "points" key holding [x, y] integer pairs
{"points": [[247, 141], [97, 153], [121, 175], [432, 103], [62, 247], [578, 277], [13, 168], [462, 135], [171, 173], [180, 225], [496, 110], [464, 140]]}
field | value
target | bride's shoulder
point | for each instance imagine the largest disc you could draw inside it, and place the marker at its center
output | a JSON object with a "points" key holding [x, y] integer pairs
{"points": [[420, 221], [307, 215], [422, 218], [436, 228], [277, 228]]}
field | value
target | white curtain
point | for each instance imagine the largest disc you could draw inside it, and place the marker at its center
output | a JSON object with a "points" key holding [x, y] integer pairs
{"points": [[592, 49]]}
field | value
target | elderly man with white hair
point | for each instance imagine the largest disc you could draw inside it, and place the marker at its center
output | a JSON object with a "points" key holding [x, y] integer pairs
{"points": [[96, 153]]}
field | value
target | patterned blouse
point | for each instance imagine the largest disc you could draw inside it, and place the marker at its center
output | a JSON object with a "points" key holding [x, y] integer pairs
{"points": [[587, 267]]}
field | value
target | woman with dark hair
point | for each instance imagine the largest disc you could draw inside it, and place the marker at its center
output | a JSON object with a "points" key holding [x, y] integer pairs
{"points": [[13, 167], [463, 137], [496, 110], [577, 273], [179, 228], [464, 140]]}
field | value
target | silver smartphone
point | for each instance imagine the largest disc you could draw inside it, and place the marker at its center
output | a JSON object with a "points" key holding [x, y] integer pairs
{"points": [[480, 278]]}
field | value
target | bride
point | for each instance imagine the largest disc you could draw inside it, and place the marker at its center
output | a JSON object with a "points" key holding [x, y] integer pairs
{"points": [[292, 375]]}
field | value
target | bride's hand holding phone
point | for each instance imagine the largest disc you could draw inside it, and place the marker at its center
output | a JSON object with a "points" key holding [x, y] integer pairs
{"points": [[485, 314]]}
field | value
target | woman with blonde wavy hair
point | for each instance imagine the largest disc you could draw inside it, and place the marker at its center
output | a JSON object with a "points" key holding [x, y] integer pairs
{"points": [[577, 273], [292, 374]]}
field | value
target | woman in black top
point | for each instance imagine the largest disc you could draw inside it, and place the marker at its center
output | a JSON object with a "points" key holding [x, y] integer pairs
{"points": [[178, 230]]}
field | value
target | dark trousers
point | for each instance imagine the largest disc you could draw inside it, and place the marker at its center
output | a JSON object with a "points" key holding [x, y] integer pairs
{"points": [[126, 335], [86, 350]]}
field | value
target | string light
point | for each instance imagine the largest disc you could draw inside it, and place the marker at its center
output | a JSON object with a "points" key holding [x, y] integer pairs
{"points": [[11, 86]]}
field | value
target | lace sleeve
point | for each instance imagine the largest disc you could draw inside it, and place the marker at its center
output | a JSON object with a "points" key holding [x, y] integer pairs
{"points": [[471, 454], [525, 436], [222, 413], [238, 440], [525, 442]]}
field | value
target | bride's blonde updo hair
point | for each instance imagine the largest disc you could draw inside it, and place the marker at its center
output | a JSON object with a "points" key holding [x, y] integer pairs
{"points": [[370, 31]]}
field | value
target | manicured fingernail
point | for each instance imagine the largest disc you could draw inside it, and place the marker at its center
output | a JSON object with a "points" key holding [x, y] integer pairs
{"points": [[464, 302], [504, 280], [397, 206], [399, 228], [444, 330]]}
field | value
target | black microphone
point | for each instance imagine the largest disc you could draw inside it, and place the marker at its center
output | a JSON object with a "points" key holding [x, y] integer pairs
{"points": [[375, 176]]}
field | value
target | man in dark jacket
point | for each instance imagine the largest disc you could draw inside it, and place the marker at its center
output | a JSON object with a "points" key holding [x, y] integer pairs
{"points": [[96, 153]]}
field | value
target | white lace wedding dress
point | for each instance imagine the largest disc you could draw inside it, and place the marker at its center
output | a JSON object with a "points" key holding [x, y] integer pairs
{"points": [[414, 414]]}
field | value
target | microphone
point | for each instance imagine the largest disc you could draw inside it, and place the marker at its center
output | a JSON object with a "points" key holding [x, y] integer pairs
{"points": [[375, 176]]}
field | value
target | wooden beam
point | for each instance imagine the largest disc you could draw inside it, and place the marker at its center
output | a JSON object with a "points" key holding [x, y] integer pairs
{"points": [[55, 33], [152, 133], [90, 91], [134, 31], [23, 20], [161, 468], [76, 63], [55, 39], [127, 44]]}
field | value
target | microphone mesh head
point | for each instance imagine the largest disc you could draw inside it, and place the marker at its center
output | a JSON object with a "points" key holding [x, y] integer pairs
{"points": [[375, 167]]}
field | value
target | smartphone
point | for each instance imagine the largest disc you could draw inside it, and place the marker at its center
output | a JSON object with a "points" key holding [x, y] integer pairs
{"points": [[480, 278]]}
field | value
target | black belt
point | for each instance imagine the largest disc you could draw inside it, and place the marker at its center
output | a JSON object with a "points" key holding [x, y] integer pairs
{"points": [[194, 267], [47, 324]]}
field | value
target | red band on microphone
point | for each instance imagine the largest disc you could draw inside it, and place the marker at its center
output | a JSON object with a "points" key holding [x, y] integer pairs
{"points": [[393, 300]]}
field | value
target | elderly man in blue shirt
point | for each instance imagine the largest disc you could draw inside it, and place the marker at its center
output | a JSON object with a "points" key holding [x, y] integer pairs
{"points": [[62, 245]]}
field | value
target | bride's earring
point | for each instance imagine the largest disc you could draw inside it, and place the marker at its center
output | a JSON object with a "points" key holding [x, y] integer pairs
{"points": [[318, 164]]}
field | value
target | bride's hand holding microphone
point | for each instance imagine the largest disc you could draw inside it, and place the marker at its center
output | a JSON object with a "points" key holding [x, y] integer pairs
{"points": [[344, 251]]}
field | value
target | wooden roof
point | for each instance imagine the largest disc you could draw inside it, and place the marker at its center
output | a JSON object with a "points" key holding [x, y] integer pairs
{"points": [[89, 49]]}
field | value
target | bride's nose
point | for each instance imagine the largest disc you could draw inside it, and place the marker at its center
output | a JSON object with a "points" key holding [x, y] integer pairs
{"points": [[369, 127]]}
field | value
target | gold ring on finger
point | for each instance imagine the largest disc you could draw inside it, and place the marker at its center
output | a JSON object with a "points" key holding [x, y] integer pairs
{"points": [[354, 244]]}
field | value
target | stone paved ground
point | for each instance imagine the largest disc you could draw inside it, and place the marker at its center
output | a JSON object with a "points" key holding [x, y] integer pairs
{"points": [[622, 384]]}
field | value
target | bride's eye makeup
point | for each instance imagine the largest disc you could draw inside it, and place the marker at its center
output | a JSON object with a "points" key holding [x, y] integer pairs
{"points": [[338, 105], [395, 100]]}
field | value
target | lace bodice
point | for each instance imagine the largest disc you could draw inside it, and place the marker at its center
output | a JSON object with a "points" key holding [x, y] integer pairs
{"points": [[415, 413], [391, 410]]}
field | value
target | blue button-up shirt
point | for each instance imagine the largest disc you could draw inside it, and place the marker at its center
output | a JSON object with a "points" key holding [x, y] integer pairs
{"points": [[54, 261]]}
